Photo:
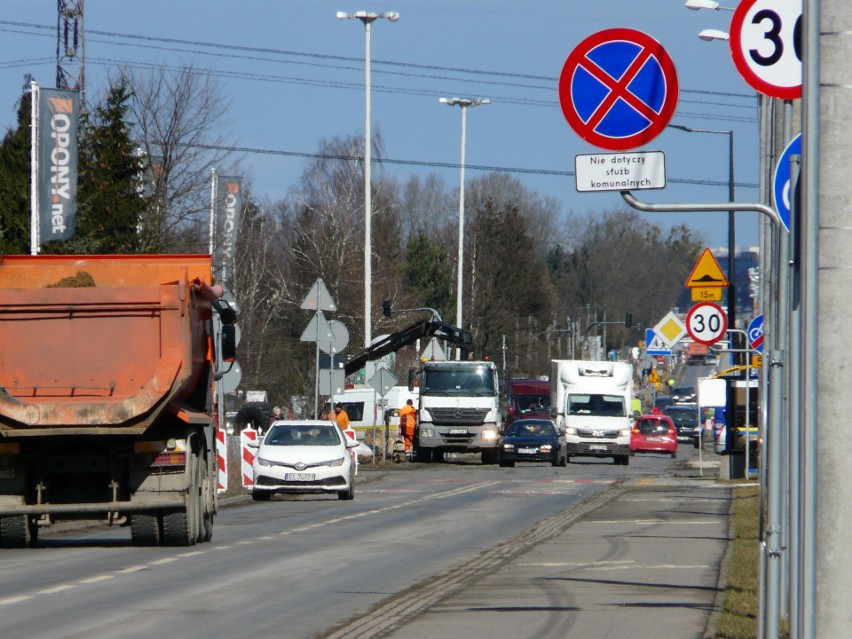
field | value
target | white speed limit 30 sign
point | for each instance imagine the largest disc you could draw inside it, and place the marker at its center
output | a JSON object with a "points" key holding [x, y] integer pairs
{"points": [[766, 44], [706, 323]]}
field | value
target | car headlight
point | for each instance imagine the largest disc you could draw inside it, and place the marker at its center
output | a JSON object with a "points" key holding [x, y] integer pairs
{"points": [[265, 462], [508, 447], [489, 435], [570, 430], [336, 462], [624, 432], [546, 448], [427, 432]]}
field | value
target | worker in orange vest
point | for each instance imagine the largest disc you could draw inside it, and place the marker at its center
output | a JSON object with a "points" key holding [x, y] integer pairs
{"points": [[407, 423]]}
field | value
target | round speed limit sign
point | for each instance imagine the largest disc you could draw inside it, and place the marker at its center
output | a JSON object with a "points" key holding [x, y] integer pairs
{"points": [[706, 323], [766, 44]]}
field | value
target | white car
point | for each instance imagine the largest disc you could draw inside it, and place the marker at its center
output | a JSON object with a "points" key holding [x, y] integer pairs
{"points": [[310, 456]]}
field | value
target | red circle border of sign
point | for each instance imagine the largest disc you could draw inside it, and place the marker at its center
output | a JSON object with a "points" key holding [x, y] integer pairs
{"points": [[579, 54], [705, 305], [755, 81]]}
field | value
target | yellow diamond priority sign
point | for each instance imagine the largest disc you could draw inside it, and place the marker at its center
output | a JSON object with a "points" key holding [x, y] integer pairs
{"points": [[670, 329]]}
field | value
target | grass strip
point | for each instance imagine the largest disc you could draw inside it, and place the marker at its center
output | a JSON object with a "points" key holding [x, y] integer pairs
{"points": [[740, 606]]}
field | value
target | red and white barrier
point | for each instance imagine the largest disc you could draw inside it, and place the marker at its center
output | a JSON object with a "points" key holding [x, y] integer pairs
{"points": [[247, 456], [222, 460]]}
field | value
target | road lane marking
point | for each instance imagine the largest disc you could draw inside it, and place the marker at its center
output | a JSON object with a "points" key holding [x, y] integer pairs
{"points": [[14, 600], [96, 579], [55, 589]]}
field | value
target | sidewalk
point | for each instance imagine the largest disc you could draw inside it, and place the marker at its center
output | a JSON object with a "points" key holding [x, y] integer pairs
{"points": [[645, 563]]}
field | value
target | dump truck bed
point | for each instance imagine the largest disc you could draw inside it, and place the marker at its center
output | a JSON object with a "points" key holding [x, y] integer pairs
{"points": [[100, 344]]}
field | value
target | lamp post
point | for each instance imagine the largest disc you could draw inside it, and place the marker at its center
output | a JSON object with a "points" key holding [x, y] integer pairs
{"points": [[464, 103], [732, 288], [368, 19]]}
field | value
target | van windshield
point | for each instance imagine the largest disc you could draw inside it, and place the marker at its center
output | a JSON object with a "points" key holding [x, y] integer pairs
{"points": [[600, 405]]}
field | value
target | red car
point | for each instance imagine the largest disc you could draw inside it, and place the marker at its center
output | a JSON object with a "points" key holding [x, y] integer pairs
{"points": [[653, 434]]}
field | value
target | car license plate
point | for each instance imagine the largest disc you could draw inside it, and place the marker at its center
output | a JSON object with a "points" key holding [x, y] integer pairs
{"points": [[653, 439], [597, 447], [299, 477], [458, 431], [527, 451]]}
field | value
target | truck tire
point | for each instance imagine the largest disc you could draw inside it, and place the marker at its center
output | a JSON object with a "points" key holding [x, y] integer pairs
{"points": [[180, 526], [18, 531], [145, 529], [208, 505]]}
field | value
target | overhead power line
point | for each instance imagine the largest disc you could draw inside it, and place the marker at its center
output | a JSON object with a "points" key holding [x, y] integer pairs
{"points": [[441, 165]]}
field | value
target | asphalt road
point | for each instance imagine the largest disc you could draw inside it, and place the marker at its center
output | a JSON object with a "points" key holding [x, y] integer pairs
{"points": [[318, 567]]}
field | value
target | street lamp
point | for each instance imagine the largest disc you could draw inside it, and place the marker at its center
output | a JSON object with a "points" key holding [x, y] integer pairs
{"points": [[713, 34], [695, 5], [732, 289], [368, 19], [464, 103]]}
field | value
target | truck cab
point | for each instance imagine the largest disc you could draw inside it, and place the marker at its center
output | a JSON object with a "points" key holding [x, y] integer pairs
{"points": [[591, 403], [459, 410]]}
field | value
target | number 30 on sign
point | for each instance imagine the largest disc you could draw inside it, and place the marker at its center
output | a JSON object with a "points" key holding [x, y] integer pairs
{"points": [[706, 323]]}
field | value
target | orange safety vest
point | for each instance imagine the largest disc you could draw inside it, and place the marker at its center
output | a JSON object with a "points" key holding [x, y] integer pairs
{"points": [[407, 419]]}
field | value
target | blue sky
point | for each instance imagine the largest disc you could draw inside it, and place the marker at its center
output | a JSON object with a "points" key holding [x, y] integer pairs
{"points": [[295, 75]]}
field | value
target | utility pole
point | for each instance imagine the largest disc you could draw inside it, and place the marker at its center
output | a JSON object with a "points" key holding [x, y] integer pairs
{"points": [[70, 46]]}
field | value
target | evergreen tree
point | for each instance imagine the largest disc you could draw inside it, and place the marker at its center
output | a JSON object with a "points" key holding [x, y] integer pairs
{"points": [[428, 272], [15, 184], [110, 192]]}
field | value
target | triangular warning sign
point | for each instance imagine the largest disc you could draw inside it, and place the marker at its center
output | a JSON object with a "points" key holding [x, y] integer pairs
{"points": [[707, 273], [318, 298]]}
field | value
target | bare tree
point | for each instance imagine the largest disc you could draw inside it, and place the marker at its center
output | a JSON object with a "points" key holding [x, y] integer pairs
{"points": [[179, 114]]}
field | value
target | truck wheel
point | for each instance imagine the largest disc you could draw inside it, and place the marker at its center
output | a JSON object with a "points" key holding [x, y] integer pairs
{"points": [[198, 498], [177, 529], [18, 531], [180, 526], [625, 460], [145, 530], [438, 456], [207, 505]]}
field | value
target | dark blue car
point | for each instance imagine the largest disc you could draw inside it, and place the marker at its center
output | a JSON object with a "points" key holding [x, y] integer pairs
{"points": [[532, 440]]}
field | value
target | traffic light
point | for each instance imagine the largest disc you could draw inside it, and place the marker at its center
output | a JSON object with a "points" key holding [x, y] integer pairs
{"points": [[628, 319], [386, 308]]}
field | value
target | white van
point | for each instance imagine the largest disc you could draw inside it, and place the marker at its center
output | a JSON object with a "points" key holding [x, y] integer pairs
{"points": [[366, 409]]}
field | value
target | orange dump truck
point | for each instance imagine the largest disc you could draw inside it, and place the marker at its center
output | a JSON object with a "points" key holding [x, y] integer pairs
{"points": [[107, 405]]}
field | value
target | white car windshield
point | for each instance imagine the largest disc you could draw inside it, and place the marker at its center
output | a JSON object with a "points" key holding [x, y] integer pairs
{"points": [[302, 435]]}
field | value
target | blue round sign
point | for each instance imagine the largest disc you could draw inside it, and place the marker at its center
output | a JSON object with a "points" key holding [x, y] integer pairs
{"points": [[781, 183], [618, 89]]}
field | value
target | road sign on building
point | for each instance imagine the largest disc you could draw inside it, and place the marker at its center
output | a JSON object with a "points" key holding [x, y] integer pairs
{"points": [[766, 45], [706, 323], [620, 171], [706, 273], [618, 89], [781, 181]]}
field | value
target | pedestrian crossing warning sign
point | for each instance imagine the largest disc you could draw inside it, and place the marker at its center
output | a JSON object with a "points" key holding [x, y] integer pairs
{"points": [[706, 273]]}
